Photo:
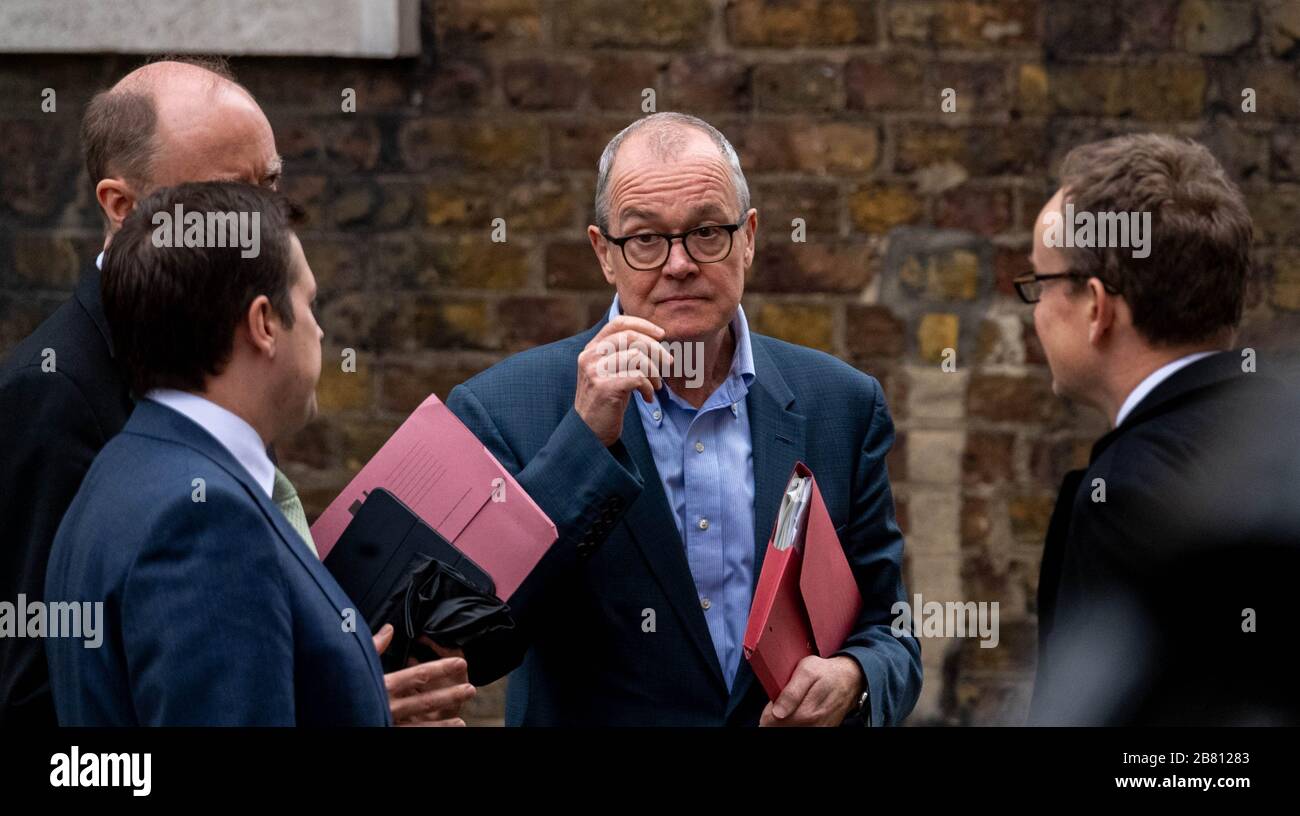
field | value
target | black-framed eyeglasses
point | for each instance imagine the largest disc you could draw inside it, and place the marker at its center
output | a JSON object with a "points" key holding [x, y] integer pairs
{"points": [[650, 250], [1030, 285]]}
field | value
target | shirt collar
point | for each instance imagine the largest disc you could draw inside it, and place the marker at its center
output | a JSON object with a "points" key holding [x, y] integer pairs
{"points": [[234, 434], [1153, 379], [732, 390]]}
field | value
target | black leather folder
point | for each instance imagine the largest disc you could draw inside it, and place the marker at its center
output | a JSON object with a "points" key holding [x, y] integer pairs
{"points": [[399, 570]]}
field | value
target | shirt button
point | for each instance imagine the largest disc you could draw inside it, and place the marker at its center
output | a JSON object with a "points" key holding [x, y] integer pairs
{"points": [[735, 409], [699, 447], [704, 524], [657, 414], [704, 602]]}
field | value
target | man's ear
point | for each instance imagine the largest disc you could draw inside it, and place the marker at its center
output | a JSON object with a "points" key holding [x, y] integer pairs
{"points": [[1102, 310], [601, 247], [751, 235], [263, 325], [116, 200]]}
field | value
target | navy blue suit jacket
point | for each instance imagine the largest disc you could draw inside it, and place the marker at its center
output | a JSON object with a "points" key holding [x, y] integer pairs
{"points": [[215, 612], [587, 660]]}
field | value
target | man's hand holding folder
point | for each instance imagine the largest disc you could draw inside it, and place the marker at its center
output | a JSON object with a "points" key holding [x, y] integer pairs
{"points": [[804, 607]]}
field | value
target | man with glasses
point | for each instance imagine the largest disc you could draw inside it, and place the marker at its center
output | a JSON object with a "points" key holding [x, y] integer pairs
{"points": [[1163, 550], [664, 482]]}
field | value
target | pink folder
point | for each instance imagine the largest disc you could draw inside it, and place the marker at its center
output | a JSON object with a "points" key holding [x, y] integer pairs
{"points": [[439, 469]]}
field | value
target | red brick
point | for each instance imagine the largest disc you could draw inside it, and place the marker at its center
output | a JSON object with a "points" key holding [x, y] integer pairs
{"points": [[874, 331], [787, 87], [783, 266], [789, 23], [531, 321], [1012, 399], [987, 458]]}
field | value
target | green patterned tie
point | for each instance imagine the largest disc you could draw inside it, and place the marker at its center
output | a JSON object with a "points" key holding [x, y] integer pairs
{"points": [[286, 498]]}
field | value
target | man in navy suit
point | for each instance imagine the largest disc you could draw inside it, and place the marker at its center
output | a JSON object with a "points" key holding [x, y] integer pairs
{"points": [[215, 609], [164, 123], [660, 442]]}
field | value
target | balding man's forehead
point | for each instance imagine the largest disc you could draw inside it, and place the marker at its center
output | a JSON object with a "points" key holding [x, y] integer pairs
{"points": [[179, 86], [640, 152]]}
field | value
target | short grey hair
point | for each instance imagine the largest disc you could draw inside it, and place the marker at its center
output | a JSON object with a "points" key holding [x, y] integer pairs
{"points": [[664, 125]]}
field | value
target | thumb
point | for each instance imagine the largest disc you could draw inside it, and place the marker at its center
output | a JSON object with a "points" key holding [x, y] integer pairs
{"points": [[384, 638]]}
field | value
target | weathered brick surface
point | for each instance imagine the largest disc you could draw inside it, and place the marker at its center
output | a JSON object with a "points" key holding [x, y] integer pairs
{"points": [[915, 220]]}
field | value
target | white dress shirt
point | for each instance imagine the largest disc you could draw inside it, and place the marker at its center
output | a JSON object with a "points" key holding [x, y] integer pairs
{"points": [[1153, 379], [234, 434]]}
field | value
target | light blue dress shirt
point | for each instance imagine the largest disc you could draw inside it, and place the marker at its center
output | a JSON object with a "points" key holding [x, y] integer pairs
{"points": [[231, 430], [705, 460]]}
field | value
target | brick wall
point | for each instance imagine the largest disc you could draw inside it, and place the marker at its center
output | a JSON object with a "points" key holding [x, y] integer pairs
{"points": [[916, 219]]}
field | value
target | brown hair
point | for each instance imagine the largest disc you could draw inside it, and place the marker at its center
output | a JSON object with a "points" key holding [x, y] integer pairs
{"points": [[1192, 285], [173, 310]]}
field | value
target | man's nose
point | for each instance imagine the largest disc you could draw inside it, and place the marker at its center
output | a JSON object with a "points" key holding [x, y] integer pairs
{"points": [[679, 263]]}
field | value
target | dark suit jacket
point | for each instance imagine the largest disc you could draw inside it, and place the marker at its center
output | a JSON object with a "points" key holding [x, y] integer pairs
{"points": [[588, 660], [53, 423], [215, 612], [1143, 597]]}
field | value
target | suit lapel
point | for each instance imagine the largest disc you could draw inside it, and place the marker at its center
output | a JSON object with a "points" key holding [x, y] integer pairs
{"points": [[650, 521], [778, 439]]}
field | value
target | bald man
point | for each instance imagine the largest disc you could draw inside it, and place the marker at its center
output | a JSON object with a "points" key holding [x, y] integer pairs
{"points": [[62, 395]]}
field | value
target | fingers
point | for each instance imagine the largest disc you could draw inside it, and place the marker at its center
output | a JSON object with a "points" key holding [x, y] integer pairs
{"points": [[792, 695], [611, 378], [631, 368], [626, 355], [609, 354], [814, 706], [454, 722], [629, 323], [442, 702], [449, 671], [383, 637], [799, 717], [440, 650]]}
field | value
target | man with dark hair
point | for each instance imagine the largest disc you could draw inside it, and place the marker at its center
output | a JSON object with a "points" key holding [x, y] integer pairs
{"points": [[165, 123], [1175, 535], [174, 521]]}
